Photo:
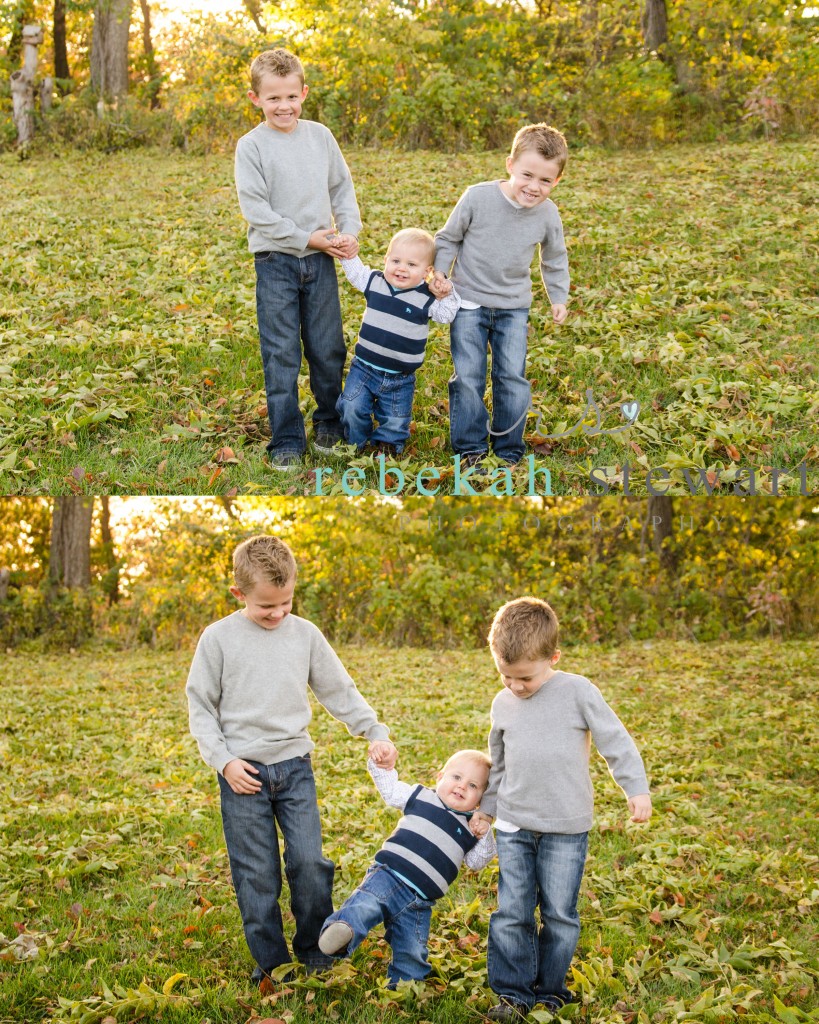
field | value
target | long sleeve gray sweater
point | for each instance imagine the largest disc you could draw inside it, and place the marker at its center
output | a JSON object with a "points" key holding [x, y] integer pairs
{"points": [[247, 691], [540, 749], [492, 243], [291, 184]]}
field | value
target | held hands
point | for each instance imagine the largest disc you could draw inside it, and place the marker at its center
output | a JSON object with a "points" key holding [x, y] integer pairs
{"points": [[640, 807], [341, 247], [440, 285], [239, 774], [478, 825], [559, 313], [383, 753]]}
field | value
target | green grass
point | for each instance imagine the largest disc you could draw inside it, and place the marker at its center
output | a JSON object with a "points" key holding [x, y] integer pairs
{"points": [[129, 359], [113, 869]]}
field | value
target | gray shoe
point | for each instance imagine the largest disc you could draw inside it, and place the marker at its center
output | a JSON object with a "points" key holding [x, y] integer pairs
{"points": [[285, 461], [335, 938]]}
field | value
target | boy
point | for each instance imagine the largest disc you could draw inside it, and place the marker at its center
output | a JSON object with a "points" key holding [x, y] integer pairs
{"points": [[491, 236], [297, 196], [539, 788], [416, 864], [249, 712], [391, 342]]}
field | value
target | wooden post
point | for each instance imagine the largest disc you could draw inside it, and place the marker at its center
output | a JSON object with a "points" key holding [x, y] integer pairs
{"points": [[22, 86]]}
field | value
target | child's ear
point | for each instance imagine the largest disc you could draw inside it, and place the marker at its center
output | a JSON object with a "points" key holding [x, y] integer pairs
{"points": [[237, 593], [254, 99]]}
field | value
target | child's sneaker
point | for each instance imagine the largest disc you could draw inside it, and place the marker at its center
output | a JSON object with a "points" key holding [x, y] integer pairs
{"points": [[285, 461], [325, 441], [335, 937], [508, 1010]]}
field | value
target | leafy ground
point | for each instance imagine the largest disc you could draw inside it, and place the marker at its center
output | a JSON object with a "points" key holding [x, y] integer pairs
{"points": [[129, 358], [115, 897]]}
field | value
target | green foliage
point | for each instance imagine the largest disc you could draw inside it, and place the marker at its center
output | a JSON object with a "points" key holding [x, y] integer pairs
{"points": [[115, 895], [433, 573]]}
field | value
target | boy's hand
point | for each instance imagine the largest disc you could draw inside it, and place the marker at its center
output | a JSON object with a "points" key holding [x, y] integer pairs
{"points": [[238, 776], [349, 243], [326, 240], [640, 807], [440, 285], [383, 753], [559, 313], [478, 826]]}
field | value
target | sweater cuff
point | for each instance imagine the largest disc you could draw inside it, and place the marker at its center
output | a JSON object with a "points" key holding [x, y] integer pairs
{"points": [[377, 732]]}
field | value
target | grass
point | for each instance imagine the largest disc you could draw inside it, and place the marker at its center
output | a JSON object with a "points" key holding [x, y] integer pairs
{"points": [[129, 359], [115, 897]]}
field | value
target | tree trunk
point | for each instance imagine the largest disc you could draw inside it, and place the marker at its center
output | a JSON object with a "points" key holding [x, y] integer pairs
{"points": [[655, 25], [109, 48], [22, 15], [70, 561], [111, 579], [61, 69], [661, 515], [154, 77], [22, 86]]}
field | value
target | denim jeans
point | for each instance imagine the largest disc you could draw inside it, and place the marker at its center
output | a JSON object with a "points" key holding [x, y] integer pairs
{"points": [[369, 393], [472, 334], [297, 304], [527, 963], [382, 896], [287, 799]]}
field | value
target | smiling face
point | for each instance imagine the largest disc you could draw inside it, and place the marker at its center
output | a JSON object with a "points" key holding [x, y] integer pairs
{"points": [[406, 264], [461, 783], [280, 98], [531, 178], [266, 604]]}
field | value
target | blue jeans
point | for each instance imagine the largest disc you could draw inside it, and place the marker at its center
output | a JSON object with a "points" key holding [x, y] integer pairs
{"points": [[369, 393], [382, 896], [527, 963], [287, 799], [472, 334], [297, 304]]}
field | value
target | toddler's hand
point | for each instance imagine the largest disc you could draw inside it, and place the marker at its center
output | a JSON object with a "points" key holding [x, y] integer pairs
{"points": [[349, 243], [237, 774], [478, 826], [640, 807], [383, 753], [326, 240], [559, 313], [440, 285]]}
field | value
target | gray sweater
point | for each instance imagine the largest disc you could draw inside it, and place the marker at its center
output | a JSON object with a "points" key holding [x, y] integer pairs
{"points": [[247, 691], [493, 243], [540, 750], [290, 184]]}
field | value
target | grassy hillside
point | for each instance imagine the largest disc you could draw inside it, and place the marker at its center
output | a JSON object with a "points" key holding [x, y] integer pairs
{"points": [[129, 361], [115, 890]]}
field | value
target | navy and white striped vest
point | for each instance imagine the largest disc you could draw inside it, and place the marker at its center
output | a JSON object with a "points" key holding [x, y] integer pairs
{"points": [[395, 326], [428, 845]]}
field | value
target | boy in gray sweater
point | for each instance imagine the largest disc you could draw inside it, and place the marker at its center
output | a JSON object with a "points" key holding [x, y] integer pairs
{"points": [[249, 712], [542, 725], [297, 197], [491, 237]]}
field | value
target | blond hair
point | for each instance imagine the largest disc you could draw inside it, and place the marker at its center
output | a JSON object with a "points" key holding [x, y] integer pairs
{"points": [[525, 629], [476, 756], [274, 62], [415, 236], [546, 141], [263, 559]]}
